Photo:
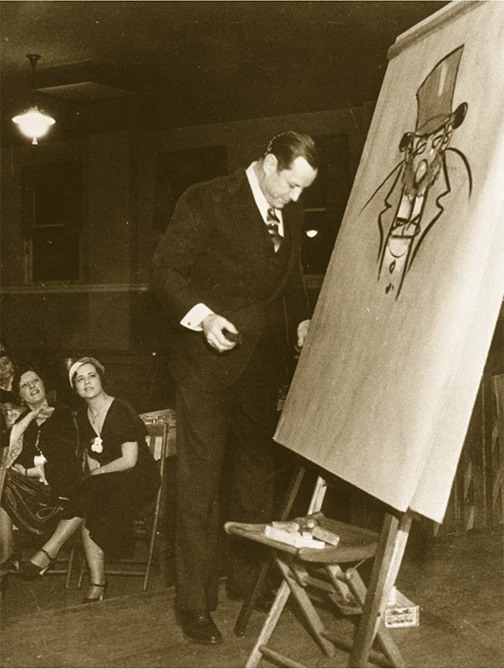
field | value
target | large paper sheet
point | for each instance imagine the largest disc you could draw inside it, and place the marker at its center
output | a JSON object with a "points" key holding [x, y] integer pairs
{"points": [[386, 383]]}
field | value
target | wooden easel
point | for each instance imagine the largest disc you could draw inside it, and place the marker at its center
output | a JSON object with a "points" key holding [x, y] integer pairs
{"points": [[387, 562]]}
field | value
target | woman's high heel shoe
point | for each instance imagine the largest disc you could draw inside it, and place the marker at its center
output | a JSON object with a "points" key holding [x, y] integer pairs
{"points": [[103, 589], [30, 570], [11, 565]]}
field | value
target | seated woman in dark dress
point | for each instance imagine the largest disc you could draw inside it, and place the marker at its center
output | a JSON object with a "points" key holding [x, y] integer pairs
{"points": [[121, 477], [42, 463]]}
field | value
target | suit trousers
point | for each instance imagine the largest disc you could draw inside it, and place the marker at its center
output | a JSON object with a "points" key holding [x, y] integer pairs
{"points": [[233, 427]]}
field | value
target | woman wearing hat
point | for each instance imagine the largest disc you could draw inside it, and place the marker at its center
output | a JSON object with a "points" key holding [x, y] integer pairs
{"points": [[120, 477]]}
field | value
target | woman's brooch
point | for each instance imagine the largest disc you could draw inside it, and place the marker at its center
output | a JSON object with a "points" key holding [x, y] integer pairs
{"points": [[97, 445]]}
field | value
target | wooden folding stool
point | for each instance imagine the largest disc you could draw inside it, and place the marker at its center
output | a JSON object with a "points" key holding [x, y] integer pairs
{"points": [[319, 569]]}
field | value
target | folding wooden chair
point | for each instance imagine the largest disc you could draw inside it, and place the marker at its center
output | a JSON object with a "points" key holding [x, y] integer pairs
{"points": [[308, 571], [64, 564], [161, 439]]}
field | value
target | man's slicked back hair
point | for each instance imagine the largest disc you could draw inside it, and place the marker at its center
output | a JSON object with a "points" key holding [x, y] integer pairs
{"points": [[289, 145]]}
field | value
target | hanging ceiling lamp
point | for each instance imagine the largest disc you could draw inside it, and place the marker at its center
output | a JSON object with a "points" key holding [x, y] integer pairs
{"points": [[33, 123]]}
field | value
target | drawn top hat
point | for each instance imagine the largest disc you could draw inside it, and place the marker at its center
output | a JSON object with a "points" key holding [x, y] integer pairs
{"points": [[435, 96]]}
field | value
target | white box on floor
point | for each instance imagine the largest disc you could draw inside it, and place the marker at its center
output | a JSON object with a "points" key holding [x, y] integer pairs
{"points": [[400, 611]]}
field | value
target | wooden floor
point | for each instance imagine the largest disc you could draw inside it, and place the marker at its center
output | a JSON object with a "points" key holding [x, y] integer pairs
{"points": [[458, 583]]}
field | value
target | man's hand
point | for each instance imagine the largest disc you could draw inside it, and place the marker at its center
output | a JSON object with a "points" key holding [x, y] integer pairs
{"points": [[302, 333], [214, 328]]}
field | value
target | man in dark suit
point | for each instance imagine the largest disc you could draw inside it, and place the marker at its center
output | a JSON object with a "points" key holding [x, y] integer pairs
{"points": [[228, 272]]}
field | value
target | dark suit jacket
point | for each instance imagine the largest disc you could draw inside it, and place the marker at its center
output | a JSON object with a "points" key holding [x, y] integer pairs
{"points": [[216, 250]]}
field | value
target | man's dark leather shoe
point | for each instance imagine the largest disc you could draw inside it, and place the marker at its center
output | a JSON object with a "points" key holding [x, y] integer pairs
{"points": [[199, 627]]}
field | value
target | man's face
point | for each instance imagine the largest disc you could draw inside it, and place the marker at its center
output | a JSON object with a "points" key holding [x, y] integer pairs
{"points": [[280, 188], [11, 412], [6, 368], [424, 158]]}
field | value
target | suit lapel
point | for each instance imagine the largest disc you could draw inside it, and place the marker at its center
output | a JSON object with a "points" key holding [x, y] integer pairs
{"points": [[251, 232], [290, 222]]}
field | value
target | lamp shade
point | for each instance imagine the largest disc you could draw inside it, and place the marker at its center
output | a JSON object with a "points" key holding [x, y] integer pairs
{"points": [[33, 123]]}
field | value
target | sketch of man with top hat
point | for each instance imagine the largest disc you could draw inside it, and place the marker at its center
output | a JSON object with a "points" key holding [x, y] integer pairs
{"points": [[418, 188]]}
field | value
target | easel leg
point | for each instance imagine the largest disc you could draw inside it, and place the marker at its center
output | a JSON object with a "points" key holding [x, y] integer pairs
{"points": [[248, 605], [383, 635], [393, 539]]}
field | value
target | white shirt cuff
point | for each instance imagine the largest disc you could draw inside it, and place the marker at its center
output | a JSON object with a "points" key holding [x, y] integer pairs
{"points": [[192, 320]]}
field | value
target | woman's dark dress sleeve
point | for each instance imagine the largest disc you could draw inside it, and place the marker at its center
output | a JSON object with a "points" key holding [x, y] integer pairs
{"points": [[30, 503], [58, 443]]}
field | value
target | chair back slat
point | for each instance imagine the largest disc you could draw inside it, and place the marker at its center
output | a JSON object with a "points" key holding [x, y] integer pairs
{"points": [[157, 439], [154, 421]]}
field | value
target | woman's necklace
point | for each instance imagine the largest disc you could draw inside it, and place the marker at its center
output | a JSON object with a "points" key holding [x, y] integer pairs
{"points": [[39, 458], [97, 416]]}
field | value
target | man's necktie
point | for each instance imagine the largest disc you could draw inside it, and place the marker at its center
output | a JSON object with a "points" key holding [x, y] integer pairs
{"points": [[272, 224]]}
